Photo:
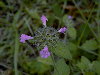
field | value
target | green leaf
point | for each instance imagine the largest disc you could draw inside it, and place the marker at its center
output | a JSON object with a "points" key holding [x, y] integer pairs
{"points": [[90, 45], [61, 50], [72, 32], [96, 66], [84, 64], [61, 68], [39, 67], [73, 48], [45, 61]]}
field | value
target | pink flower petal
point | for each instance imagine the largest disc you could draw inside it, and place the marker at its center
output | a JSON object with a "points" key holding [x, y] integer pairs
{"points": [[25, 37], [70, 17], [44, 53], [44, 19], [62, 30]]}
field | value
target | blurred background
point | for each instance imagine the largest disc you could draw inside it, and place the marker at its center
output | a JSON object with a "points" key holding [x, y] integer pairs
{"points": [[23, 17]]}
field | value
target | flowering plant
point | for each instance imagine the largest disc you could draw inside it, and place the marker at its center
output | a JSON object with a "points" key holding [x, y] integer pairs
{"points": [[51, 49], [65, 40], [47, 34]]}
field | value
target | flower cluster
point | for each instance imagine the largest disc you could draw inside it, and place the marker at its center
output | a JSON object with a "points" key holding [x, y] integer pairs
{"points": [[44, 53]]}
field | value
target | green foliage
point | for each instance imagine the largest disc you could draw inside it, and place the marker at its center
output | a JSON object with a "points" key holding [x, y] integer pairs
{"points": [[61, 50], [38, 67], [90, 45], [33, 66], [48, 60], [96, 66], [61, 68], [84, 65], [73, 48], [72, 33]]}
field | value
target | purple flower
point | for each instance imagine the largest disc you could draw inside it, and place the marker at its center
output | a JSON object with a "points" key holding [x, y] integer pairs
{"points": [[62, 30], [45, 53], [44, 19], [24, 37], [70, 17]]}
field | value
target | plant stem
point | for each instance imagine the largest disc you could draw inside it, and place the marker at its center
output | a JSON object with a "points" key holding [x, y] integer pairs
{"points": [[16, 53]]}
